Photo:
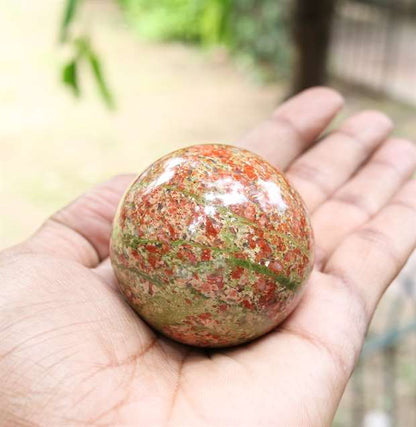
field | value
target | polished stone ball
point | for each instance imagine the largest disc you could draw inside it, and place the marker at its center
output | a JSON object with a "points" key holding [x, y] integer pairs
{"points": [[212, 246]]}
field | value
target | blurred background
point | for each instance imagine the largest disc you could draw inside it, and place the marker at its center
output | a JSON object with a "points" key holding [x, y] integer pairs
{"points": [[92, 88]]}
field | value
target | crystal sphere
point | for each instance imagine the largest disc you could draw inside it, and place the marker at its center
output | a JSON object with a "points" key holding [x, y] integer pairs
{"points": [[212, 246]]}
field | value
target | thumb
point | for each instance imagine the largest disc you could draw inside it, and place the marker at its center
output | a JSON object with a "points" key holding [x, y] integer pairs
{"points": [[81, 230]]}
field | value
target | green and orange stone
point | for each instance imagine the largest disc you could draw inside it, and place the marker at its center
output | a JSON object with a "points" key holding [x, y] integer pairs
{"points": [[212, 246]]}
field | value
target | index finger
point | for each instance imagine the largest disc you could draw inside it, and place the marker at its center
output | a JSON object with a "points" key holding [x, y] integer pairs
{"points": [[294, 126]]}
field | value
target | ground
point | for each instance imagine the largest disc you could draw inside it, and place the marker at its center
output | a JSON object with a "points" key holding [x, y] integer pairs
{"points": [[53, 147]]}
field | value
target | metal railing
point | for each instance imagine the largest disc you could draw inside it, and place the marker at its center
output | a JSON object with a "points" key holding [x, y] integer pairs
{"points": [[382, 390], [374, 46]]}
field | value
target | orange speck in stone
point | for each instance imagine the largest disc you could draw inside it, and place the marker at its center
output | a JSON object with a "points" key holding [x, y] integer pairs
{"points": [[123, 215], [237, 272], [152, 248], [288, 257], [192, 257], [136, 255], [297, 252], [260, 233], [205, 316], [152, 260], [206, 255], [269, 294], [171, 231], [211, 230], [186, 253], [248, 304], [280, 246], [265, 248], [249, 171], [233, 293], [251, 242]]}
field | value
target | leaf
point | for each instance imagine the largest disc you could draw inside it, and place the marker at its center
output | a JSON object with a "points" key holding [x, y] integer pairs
{"points": [[99, 77], [70, 76], [84, 51], [68, 17]]}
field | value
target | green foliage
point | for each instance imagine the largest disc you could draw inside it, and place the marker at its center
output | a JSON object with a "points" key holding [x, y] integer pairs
{"points": [[259, 29], [184, 20], [97, 71], [83, 51], [215, 21], [254, 29], [68, 17], [70, 76]]}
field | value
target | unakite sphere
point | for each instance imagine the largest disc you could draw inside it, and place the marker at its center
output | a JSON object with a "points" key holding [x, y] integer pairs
{"points": [[212, 246]]}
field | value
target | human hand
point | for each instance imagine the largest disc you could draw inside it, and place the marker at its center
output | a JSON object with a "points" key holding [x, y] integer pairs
{"points": [[72, 352]]}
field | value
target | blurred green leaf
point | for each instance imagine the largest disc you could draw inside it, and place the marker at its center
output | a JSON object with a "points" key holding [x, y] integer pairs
{"points": [[68, 17], [99, 78], [86, 50], [256, 31], [70, 76], [213, 21]]}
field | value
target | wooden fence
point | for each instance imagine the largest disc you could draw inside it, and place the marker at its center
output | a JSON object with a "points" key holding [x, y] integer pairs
{"points": [[374, 46]]}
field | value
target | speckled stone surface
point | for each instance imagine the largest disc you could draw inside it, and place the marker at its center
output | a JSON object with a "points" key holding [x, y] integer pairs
{"points": [[212, 246]]}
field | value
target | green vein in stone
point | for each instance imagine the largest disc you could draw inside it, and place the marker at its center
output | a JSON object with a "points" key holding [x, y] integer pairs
{"points": [[236, 262], [257, 268], [157, 281], [239, 218], [262, 269], [135, 242], [142, 274]]}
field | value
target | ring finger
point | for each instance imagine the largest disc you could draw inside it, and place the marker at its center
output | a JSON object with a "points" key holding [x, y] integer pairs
{"points": [[364, 195]]}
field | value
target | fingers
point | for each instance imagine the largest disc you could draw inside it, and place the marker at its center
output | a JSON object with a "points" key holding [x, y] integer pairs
{"points": [[364, 195], [370, 258], [326, 166], [294, 126], [81, 230], [329, 325]]}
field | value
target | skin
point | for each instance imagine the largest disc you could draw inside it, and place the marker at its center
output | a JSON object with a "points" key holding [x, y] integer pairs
{"points": [[72, 352]]}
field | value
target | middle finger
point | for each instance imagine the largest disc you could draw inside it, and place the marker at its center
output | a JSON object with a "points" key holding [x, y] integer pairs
{"points": [[364, 195], [319, 172]]}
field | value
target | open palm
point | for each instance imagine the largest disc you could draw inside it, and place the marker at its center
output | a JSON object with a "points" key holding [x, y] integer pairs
{"points": [[72, 352]]}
